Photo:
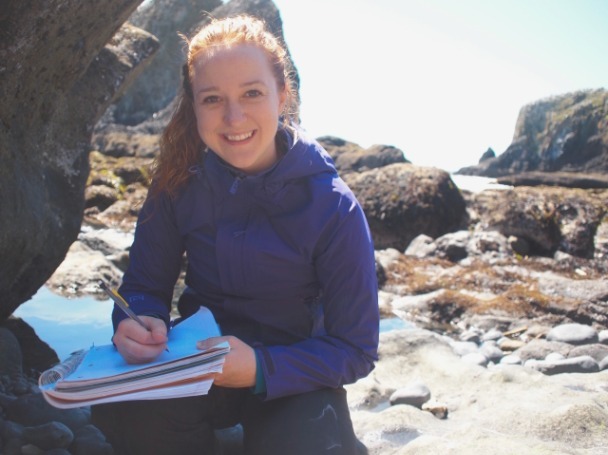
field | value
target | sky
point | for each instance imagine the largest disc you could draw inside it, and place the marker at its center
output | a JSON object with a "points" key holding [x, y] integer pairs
{"points": [[442, 80]]}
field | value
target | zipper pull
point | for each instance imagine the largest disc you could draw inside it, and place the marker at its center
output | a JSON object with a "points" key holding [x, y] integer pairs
{"points": [[235, 185]]}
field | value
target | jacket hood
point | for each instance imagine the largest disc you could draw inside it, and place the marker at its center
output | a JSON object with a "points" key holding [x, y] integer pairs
{"points": [[304, 157]]}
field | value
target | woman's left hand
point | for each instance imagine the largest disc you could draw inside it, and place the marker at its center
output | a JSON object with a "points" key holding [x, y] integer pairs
{"points": [[239, 365]]}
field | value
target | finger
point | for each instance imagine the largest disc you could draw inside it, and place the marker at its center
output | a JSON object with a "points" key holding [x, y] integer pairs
{"points": [[210, 342]]}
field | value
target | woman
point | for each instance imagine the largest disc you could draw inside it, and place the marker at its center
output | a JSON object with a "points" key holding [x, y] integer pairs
{"points": [[277, 248]]}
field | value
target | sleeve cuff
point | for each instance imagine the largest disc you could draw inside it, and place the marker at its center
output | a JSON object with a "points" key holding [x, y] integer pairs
{"points": [[260, 381]]}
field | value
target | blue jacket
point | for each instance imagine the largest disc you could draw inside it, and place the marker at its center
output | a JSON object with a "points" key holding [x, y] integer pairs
{"points": [[283, 259]]}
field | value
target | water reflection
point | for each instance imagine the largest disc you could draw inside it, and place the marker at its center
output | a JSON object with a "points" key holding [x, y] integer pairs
{"points": [[67, 324]]}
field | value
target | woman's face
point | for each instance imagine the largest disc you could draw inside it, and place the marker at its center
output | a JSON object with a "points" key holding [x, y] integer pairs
{"points": [[237, 105]]}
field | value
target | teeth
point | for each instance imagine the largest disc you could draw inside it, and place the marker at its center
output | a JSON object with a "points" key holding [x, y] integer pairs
{"points": [[239, 137]]}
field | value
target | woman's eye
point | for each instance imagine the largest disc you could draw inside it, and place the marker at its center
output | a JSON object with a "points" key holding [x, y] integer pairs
{"points": [[211, 99], [253, 93]]}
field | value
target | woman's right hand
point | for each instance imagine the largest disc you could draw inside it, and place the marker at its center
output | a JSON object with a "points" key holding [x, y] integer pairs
{"points": [[138, 345]]}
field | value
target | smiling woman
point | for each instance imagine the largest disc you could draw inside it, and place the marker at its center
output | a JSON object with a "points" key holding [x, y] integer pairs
{"points": [[237, 103], [279, 250]]}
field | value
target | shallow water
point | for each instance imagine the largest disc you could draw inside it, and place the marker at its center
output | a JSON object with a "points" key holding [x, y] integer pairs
{"points": [[67, 325]]}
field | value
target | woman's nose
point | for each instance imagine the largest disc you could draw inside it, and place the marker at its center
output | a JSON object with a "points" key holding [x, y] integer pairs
{"points": [[233, 113]]}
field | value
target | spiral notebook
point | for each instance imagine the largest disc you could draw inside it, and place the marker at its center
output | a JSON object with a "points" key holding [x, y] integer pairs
{"points": [[100, 374]]}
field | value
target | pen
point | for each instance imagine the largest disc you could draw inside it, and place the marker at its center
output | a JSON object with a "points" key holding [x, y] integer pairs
{"points": [[123, 305]]}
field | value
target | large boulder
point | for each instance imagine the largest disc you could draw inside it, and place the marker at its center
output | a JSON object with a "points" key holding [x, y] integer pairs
{"points": [[402, 201], [65, 69], [562, 133]]}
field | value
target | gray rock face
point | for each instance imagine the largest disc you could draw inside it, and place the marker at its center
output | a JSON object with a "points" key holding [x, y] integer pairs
{"points": [[57, 77], [562, 133], [162, 75]]}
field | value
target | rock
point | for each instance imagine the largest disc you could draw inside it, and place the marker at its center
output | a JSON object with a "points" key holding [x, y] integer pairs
{"points": [[510, 345], [603, 365], [37, 355], [58, 88], [554, 357], [602, 337], [81, 272], [547, 219], [573, 334], [476, 358], [463, 348], [511, 359], [581, 364], [595, 350], [160, 75], [492, 335], [540, 349], [421, 246], [33, 410], [563, 179], [51, 435], [89, 440], [439, 410], [402, 201], [568, 132], [415, 394], [471, 335], [491, 352], [100, 196], [349, 157]]}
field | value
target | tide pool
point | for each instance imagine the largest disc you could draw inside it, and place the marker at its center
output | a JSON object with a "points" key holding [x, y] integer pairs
{"points": [[67, 325]]}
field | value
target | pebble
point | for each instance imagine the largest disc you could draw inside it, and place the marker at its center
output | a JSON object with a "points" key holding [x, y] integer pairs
{"points": [[415, 394], [463, 348], [476, 358], [554, 357], [510, 345], [573, 334], [582, 364], [511, 359], [492, 352]]}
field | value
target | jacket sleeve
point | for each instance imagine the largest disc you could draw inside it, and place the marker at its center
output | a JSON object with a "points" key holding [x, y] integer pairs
{"points": [[154, 261], [347, 347]]}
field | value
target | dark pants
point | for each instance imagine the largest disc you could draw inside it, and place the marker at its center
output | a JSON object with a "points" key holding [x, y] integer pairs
{"points": [[312, 423]]}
